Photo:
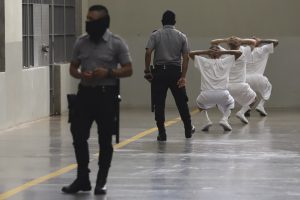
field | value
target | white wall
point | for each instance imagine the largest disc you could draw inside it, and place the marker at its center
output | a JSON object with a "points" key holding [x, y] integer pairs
{"points": [[2, 99], [203, 20], [24, 93]]}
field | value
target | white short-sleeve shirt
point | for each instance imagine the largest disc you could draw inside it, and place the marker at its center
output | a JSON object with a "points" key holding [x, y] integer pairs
{"points": [[214, 72], [258, 59], [238, 71]]}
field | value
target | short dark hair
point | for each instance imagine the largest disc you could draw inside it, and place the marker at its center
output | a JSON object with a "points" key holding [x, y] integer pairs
{"points": [[101, 8], [168, 18]]}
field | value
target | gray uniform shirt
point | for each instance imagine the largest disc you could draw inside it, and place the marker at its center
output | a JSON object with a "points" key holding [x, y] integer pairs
{"points": [[108, 53], [168, 44]]}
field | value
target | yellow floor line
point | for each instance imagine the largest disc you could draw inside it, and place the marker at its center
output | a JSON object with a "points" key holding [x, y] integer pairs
{"points": [[34, 182], [64, 170]]}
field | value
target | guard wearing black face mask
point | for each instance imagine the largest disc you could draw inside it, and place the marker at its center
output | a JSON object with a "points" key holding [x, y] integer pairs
{"points": [[169, 71], [97, 54]]}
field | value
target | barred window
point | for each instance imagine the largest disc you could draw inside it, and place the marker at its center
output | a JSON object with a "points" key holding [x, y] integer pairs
{"points": [[48, 31], [2, 37]]}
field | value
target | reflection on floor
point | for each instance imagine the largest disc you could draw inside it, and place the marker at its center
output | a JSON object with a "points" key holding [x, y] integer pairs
{"points": [[257, 161]]}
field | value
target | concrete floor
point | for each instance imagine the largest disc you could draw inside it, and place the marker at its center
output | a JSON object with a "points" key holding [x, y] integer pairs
{"points": [[259, 161]]}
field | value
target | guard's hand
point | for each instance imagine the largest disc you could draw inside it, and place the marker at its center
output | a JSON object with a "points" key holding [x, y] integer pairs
{"points": [[181, 82], [148, 77], [100, 72], [87, 75]]}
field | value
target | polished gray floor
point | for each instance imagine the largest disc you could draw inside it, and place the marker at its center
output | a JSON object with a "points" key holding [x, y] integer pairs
{"points": [[259, 161]]}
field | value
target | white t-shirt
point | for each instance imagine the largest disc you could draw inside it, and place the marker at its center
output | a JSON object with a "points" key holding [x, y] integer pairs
{"points": [[214, 72], [238, 71], [258, 59]]}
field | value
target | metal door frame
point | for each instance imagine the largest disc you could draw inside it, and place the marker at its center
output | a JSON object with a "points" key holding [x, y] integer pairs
{"points": [[2, 37]]}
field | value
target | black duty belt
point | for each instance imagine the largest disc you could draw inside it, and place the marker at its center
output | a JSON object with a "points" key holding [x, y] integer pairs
{"points": [[101, 88], [166, 67]]}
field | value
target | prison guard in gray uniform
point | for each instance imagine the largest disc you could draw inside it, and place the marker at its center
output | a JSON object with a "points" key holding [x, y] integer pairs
{"points": [[96, 101], [169, 45], [109, 53]]}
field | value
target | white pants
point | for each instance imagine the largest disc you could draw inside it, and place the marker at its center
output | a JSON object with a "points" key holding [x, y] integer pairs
{"points": [[242, 93], [210, 98], [260, 84]]}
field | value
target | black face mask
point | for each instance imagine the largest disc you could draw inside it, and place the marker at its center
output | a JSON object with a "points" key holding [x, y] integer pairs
{"points": [[96, 28]]}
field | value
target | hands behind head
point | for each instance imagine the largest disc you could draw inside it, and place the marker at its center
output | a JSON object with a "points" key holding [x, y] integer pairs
{"points": [[236, 41], [214, 53], [257, 40], [234, 38]]}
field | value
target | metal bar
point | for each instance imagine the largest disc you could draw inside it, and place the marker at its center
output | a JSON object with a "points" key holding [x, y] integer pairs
{"points": [[65, 42]]}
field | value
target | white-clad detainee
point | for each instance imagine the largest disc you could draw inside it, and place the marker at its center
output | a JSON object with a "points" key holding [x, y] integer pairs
{"points": [[214, 82], [238, 88], [256, 66]]}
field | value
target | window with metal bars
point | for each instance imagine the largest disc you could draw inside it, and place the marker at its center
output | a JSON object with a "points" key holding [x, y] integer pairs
{"points": [[61, 31], [2, 37]]}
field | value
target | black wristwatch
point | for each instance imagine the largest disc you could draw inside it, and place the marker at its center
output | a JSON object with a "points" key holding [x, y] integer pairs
{"points": [[146, 71]]}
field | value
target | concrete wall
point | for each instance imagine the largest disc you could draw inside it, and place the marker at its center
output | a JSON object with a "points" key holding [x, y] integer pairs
{"points": [[24, 93], [203, 20]]}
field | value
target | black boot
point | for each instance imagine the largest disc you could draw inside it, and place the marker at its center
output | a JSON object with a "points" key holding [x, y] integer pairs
{"points": [[190, 131], [78, 185], [100, 188], [162, 136], [81, 183]]}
